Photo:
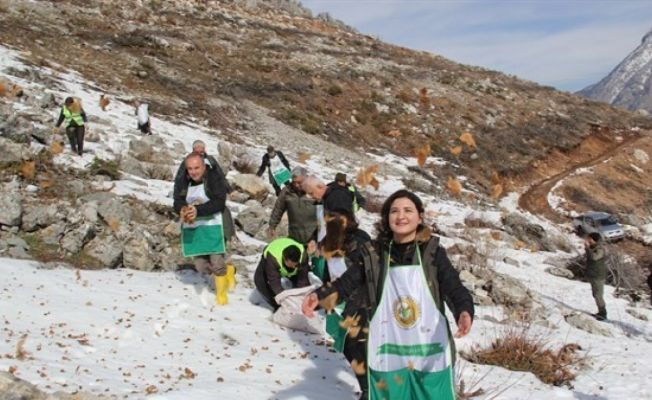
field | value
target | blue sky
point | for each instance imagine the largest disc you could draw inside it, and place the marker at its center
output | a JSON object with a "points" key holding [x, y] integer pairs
{"points": [[565, 44]]}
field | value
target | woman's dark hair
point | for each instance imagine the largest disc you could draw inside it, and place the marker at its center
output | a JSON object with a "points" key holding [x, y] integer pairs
{"points": [[69, 101], [292, 253], [339, 222], [384, 232]]}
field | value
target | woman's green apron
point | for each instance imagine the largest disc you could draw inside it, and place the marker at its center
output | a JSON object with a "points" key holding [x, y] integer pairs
{"points": [[279, 172], [205, 235], [408, 350]]}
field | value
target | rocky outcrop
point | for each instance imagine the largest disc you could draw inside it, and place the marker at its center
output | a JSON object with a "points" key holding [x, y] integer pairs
{"points": [[13, 388]]}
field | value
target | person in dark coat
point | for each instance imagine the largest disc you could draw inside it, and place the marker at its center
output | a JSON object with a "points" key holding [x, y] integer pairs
{"points": [[332, 198], [73, 117], [209, 188], [649, 283], [357, 199], [274, 160], [282, 258], [404, 241], [596, 272], [342, 247]]}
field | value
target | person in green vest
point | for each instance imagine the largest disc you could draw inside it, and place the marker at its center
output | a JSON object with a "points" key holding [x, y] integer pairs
{"points": [[407, 278], [73, 117], [282, 258], [596, 272]]}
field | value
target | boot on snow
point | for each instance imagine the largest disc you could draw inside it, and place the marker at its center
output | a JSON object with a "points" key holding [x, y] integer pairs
{"points": [[221, 288], [601, 315], [230, 276]]}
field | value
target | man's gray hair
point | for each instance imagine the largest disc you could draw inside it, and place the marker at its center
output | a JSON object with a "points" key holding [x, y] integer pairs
{"points": [[299, 171], [198, 143]]}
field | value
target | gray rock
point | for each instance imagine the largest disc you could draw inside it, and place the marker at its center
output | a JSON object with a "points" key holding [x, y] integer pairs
{"points": [[41, 135], [636, 314], [16, 241], [18, 252], [77, 186], [511, 261], [253, 219], [11, 209], [52, 234], [224, 156], [89, 212], [113, 212], [561, 272], [74, 240], [47, 101], [587, 323], [251, 184], [137, 252], [39, 216], [134, 167], [106, 250], [11, 152], [13, 388], [239, 197]]}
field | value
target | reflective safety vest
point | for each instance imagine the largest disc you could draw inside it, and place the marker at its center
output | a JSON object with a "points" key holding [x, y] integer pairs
{"points": [[276, 247], [72, 116], [355, 206]]}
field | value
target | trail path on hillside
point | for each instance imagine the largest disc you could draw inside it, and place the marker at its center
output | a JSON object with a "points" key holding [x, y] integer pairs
{"points": [[535, 199]]}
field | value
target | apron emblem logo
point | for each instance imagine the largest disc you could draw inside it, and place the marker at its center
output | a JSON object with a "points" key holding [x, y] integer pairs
{"points": [[406, 312]]}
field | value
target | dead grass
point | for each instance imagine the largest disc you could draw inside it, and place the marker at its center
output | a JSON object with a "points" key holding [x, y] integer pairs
{"points": [[518, 349], [108, 168]]}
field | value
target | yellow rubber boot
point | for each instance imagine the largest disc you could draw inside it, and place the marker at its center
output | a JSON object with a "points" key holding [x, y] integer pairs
{"points": [[221, 286], [230, 276]]}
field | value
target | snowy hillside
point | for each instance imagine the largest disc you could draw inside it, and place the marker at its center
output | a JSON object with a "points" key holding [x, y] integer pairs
{"points": [[629, 85], [133, 334]]}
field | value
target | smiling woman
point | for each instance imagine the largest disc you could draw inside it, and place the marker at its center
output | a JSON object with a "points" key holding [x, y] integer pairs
{"points": [[404, 281]]}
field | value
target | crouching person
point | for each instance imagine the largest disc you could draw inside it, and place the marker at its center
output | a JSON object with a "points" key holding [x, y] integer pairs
{"points": [[282, 258], [201, 201]]}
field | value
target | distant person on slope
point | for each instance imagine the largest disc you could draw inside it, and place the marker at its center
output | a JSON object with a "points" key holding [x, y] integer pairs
{"points": [[649, 283], [279, 168], [596, 271], [200, 202], [302, 213], [142, 112], [282, 258], [357, 200], [73, 117]]}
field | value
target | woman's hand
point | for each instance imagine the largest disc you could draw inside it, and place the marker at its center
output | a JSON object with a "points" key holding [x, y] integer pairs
{"points": [[310, 302], [464, 323]]}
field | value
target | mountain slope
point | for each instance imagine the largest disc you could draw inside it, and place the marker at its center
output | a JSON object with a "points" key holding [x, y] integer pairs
{"points": [[629, 85]]}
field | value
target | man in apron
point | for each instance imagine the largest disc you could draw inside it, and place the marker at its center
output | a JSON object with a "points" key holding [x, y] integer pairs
{"points": [[201, 201], [279, 168]]}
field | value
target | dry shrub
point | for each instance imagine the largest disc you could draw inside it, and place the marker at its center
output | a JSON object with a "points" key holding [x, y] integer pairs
{"points": [[3, 89], [395, 133], [28, 170], [21, 354], [56, 147], [422, 153], [456, 151], [245, 165], [374, 204], [424, 100], [104, 102], [454, 186], [108, 168], [367, 177], [303, 157], [468, 140], [517, 349]]}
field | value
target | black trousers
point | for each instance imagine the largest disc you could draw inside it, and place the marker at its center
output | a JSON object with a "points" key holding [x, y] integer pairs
{"points": [[76, 137], [356, 349]]}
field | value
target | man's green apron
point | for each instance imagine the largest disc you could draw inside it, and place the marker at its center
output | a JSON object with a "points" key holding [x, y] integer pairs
{"points": [[409, 354], [206, 234], [279, 172]]}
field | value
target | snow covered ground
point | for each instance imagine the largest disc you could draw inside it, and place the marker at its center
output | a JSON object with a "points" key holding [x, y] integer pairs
{"points": [[132, 334]]}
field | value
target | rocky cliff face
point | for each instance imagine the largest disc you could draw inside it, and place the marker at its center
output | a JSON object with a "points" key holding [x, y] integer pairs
{"points": [[629, 85]]}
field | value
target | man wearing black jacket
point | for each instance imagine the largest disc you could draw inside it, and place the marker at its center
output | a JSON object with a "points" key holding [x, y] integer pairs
{"points": [[273, 161], [213, 194]]}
